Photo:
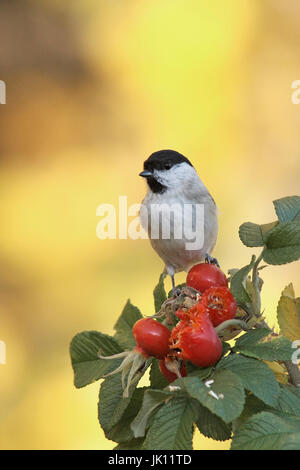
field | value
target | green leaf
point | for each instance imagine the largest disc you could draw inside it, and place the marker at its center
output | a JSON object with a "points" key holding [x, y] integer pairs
{"points": [[159, 293], [211, 425], [121, 431], [134, 444], [157, 380], [87, 366], [251, 337], [224, 397], [172, 428], [266, 228], [256, 376], [268, 431], [288, 314], [283, 243], [253, 405], [200, 372], [237, 284], [129, 316], [151, 401], [226, 348], [289, 400], [287, 208], [251, 235], [279, 349], [112, 404], [254, 235]]}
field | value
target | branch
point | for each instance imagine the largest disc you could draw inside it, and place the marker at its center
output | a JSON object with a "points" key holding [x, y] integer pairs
{"points": [[294, 373], [255, 282]]}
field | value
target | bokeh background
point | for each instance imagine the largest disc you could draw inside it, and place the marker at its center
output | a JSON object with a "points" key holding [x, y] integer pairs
{"points": [[94, 87]]}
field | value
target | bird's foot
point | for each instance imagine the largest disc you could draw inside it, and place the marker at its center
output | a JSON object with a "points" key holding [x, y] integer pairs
{"points": [[210, 260], [175, 292]]}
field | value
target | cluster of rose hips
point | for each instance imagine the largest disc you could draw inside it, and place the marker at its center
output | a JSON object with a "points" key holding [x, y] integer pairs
{"points": [[194, 337]]}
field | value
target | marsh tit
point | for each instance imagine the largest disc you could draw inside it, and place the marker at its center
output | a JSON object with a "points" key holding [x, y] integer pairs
{"points": [[178, 212]]}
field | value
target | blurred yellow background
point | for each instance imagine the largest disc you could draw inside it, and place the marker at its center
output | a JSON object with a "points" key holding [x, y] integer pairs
{"points": [[93, 88]]}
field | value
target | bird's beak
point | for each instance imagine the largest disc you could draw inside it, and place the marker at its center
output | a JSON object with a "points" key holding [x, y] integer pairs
{"points": [[146, 174]]}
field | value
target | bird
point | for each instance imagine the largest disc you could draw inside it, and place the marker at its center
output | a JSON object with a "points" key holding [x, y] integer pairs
{"points": [[177, 206]]}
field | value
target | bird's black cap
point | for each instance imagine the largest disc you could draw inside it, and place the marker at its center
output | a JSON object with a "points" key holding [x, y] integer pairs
{"points": [[164, 160]]}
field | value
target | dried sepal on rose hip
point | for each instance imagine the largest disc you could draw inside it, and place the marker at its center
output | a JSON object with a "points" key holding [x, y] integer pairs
{"points": [[152, 339], [194, 338], [172, 368]]}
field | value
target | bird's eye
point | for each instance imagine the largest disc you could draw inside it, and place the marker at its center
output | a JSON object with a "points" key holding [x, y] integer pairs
{"points": [[167, 166]]}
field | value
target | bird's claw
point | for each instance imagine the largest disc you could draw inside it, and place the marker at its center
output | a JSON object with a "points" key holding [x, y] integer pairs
{"points": [[176, 292], [210, 260]]}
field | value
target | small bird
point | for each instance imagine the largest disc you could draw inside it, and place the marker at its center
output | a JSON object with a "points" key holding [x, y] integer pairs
{"points": [[177, 208]]}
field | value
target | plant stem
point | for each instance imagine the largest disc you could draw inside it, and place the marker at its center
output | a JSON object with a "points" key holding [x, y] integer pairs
{"points": [[294, 373], [232, 322], [255, 281]]}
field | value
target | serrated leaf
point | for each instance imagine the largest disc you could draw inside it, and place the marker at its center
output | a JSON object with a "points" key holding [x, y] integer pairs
{"points": [[172, 428], [256, 376], [287, 208], [279, 349], [253, 405], [115, 413], [121, 431], [112, 405], [151, 401], [268, 431], [288, 314], [266, 228], [210, 425], [254, 235], [200, 372], [252, 337], [157, 380], [283, 244], [134, 444], [87, 366], [237, 284], [225, 397], [289, 291], [289, 400], [251, 235], [129, 316], [159, 293], [226, 348]]}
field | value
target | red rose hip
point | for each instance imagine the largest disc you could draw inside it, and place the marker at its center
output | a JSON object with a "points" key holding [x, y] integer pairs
{"points": [[196, 341], [151, 337], [220, 304], [205, 275]]}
